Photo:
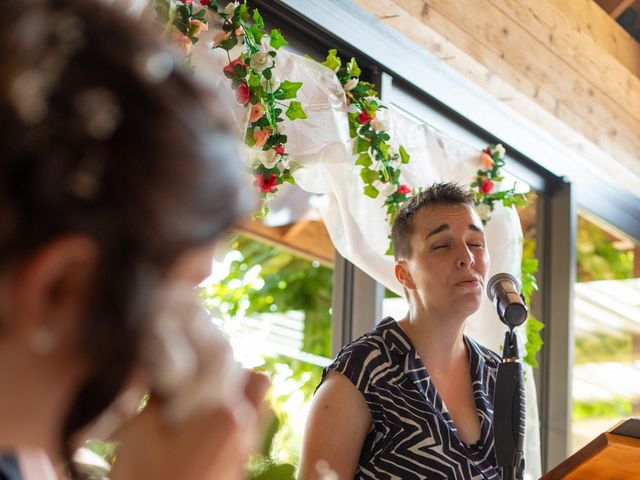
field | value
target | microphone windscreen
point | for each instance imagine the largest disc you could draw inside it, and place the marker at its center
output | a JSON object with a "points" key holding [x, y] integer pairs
{"points": [[499, 277]]}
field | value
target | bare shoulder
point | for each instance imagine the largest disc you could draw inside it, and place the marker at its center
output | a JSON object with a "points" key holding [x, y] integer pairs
{"points": [[338, 423]]}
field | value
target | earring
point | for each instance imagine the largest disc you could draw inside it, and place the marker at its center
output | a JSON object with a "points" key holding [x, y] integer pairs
{"points": [[43, 341]]}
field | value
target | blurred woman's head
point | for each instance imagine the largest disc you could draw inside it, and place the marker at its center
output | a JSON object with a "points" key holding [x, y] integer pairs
{"points": [[116, 172]]}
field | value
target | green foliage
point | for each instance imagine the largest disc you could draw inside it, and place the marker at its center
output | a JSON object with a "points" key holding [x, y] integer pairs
{"points": [[598, 258], [277, 40], [615, 408], [603, 348], [295, 111], [529, 268]]}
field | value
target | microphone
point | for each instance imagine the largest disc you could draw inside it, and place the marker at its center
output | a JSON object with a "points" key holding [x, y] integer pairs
{"points": [[503, 290]]}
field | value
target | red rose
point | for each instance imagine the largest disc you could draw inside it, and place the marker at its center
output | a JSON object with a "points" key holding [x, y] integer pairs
{"points": [[266, 185], [364, 117], [487, 151], [403, 190], [205, 3], [243, 94], [487, 186], [280, 149], [236, 68]]}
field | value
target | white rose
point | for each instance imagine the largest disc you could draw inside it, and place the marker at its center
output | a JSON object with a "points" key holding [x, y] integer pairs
{"points": [[268, 158], [500, 150], [385, 188], [379, 125], [283, 165], [230, 8], [484, 211], [351, 84], [353, 109], [261, 61]]}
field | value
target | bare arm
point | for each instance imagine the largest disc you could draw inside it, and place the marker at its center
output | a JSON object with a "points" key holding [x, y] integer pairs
{"points": [[337, 425]]}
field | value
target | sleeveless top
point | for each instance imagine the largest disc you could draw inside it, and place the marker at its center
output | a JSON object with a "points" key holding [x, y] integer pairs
{"points": [[412, 434]]}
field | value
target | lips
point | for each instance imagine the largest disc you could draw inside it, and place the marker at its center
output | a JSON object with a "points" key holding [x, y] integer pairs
{"points": [[469, 282]]}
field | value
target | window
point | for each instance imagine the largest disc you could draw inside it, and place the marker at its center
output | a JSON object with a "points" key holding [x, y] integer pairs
{"points": [[606, 370]]}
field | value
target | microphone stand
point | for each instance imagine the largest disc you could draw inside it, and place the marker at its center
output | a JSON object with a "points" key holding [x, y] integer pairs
{"points": [[509, 412]]}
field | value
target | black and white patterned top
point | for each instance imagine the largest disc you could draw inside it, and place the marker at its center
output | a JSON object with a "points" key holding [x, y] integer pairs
{"points": [[413, 435]]}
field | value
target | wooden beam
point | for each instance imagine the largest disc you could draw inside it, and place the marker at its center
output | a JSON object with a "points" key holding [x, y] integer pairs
{"points": [[614, 7], [590, 20], [497, 42], [307, 238]]}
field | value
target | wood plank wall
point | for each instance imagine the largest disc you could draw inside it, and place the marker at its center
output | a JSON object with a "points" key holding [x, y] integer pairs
{"points": [[564, 64]]}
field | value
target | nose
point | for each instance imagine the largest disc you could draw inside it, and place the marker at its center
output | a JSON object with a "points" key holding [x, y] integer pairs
{"points": [[465, 258]]}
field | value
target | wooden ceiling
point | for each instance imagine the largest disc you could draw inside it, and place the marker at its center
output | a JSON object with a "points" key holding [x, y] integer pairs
{"points": [[625, 12]]}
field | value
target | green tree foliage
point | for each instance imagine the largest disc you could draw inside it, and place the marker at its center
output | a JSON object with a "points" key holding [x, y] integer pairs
{"points": [[267, 279], [598, 258]]}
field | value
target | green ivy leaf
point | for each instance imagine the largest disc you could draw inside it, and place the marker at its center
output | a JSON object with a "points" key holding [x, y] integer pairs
{"points": [[256, 32], [371, 191], [248, 137], [364, 160], [384, 149], [295, 111], [404, 156], [277, 40], [243, 12], [333, 61], [353, 69], [257, 18], [361, 145], [369, 176], [287, 90]]}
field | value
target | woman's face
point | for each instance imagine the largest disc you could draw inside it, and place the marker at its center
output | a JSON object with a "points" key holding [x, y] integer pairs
{"points": [[449, 261]]}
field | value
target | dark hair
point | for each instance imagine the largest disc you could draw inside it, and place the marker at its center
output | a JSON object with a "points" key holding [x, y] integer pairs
{"points": [[446, 193], [103, 135]]}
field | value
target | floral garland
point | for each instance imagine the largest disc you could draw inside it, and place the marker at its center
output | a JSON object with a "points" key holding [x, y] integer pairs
{"points": [[252, 79], [484, 184], [486, 195], [380, 165]]}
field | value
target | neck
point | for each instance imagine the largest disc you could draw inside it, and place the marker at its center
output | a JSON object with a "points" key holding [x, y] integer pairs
{"points": [[34, 402], [439, 340]]}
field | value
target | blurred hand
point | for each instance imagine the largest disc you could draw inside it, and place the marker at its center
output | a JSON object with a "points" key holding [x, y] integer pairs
{"points": [[208, 446]]}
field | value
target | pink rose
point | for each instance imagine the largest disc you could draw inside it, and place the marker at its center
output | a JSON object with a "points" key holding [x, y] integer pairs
{"points": [[198, 27], [243, 94], [220, 37], [235, 69], [403, 190], [487, 161], [260, 135], [256, 112], [266, 185], [364, 117], [182, 41], [280, 149], [487, 186]]}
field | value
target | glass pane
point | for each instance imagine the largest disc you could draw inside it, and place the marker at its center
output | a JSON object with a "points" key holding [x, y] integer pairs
{"points": [[606, 373], [271, 289]]}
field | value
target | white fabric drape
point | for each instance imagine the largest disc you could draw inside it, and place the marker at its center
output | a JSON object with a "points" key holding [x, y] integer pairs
{"points": [[356, 223]]}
